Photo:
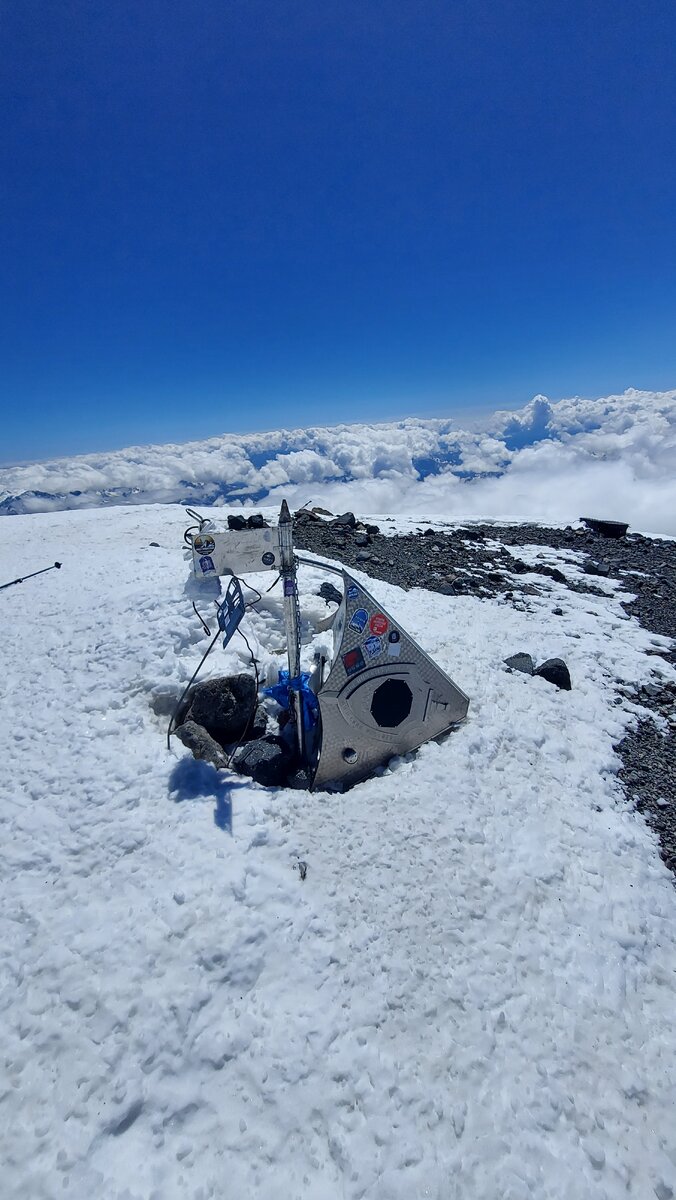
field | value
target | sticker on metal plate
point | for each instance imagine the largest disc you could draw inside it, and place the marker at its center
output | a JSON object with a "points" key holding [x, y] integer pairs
{"points": [[353, 661], [268, 558], [289, 587], [359, 619], [394, 636], [203, 544], [379, 624], [207, 564], [373, 646], [394, 649], [352, 592]]}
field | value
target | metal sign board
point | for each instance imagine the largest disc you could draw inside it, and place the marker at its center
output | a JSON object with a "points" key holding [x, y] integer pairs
{"points": [[235, 552], [231, 611], [383, 695]]}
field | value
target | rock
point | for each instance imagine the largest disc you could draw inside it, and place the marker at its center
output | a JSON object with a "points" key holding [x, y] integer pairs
{"points": [[553, 573], [330, 594], [223, 706], [374, 530], [607, 529], [267, 761], [363, 556], [347, 518], [555, 671], [196, 738], [519, 566], [557, 612], [361, 539], [236, 522], [257, 521], [596, 568], [306, 516], [521, 662], [157, 544], [322, 512]]}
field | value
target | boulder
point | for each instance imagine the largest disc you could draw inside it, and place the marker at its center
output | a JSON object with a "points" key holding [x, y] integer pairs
{"points": [[596, 568], [521, 662], [237, 522], [196, 738], [223, 706], [347, 519], [267, 761], [608, 529], [555, 671], [330, 594], [256, 521]]}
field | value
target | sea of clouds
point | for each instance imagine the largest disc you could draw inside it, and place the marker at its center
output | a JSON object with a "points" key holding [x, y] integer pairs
{"points": [[613, 457]]}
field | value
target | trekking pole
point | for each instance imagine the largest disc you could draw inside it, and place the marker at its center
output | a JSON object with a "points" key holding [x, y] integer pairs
{"points": [[32, 576]]}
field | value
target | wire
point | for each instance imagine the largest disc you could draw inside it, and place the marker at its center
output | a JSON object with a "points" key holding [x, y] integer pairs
{"points": [[252, 714], [186, 689], [200, 618]]}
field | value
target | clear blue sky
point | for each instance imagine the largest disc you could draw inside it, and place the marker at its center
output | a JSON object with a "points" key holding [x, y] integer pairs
{"points": [[236, 214]]}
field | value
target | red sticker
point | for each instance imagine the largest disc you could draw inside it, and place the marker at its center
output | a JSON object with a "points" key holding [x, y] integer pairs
{"points": [[379, 624]]}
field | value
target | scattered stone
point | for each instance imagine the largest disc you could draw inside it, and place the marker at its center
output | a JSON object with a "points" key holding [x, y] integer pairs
{"points": [[321, 512], [361, 539], [521, 662], [596, 568], [557, 612], [330, 594], [374, 530], [257, 521], [224, 706], [267, 761], [305, 516], [363, 556], [157, 544], [202, 745], [555, 671], [347, 519]]}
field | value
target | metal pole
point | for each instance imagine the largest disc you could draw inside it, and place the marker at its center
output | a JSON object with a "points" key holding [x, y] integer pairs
{"points": [[23, 579], [291, 617]]}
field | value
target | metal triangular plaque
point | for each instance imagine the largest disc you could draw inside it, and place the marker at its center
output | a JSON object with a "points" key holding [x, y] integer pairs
{"points": [[383, 695]]}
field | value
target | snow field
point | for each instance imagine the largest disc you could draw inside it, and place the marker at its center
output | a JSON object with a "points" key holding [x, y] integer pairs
{"points": [[471, 995]]}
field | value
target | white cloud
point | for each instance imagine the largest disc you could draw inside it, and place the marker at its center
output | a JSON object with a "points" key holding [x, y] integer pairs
{"points": [[614, 457]]}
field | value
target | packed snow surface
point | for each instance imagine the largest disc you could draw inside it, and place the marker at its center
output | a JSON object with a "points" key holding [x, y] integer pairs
{"points": [[470, 996], [615, 455]]}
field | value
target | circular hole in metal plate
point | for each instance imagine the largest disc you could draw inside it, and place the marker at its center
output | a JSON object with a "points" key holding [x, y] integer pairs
{"points": [[350, 755]]}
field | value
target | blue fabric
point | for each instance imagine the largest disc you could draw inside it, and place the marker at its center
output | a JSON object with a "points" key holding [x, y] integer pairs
{"points": [[301, 684]]}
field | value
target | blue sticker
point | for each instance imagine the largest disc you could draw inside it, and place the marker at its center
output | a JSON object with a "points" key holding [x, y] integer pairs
{"points": [[353, 661], [268, 558], [352, 592], [207, 564], [394, 636], [373, 647], [289, 587], [359, 619]]}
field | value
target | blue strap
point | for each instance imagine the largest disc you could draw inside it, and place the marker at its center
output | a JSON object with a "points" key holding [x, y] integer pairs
{"points": [[301, 685]]}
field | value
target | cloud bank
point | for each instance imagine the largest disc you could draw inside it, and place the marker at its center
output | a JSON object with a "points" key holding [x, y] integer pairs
{"points": [[612, 457]]}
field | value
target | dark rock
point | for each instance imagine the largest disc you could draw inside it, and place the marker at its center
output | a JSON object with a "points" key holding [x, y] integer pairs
{"points": [[553, 573], [596, 568], [521, 662], [607, 529], [196, 738], [519, 566], [557, 612], [305, 516], [363, 556], [321, 512], [267, 761], [224, 706], [374, 530], [330, 594], [154, 544], [257, 521], [361, 539], [554, 670], [237, 522], [299, 780], [347, 518]]}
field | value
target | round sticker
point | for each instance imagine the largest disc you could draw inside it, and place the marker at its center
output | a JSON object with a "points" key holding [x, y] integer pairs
{"points": [[394, 636], [204, 545], [379, 624], [268, 558]]}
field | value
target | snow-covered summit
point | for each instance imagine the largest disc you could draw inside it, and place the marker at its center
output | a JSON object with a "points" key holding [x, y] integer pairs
{"points": [[615, 456]]}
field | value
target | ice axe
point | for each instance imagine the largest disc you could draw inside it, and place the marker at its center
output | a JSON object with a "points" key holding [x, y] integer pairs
{"points": [[23, 578]]}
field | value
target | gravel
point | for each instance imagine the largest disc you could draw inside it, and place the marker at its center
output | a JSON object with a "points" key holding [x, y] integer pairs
{"points": [[480, 560]]}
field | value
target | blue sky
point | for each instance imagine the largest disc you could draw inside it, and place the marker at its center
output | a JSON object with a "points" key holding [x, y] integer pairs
{"points": [[222, 216]]}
